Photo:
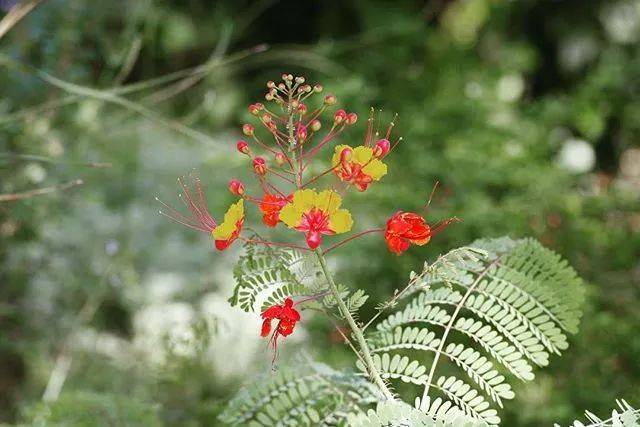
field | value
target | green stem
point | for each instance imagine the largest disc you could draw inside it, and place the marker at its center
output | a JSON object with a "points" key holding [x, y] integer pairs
{"points": [[355, 329]]}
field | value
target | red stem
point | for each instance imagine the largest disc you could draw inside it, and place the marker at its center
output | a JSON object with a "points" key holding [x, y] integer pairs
{"points": [[348, 239]]}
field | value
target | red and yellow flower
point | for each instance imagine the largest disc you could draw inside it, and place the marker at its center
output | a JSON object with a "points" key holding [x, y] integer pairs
{"points": [[270, 206], [358, 166], [229, 230], [316, 214], [404, 229], [287, 317]]}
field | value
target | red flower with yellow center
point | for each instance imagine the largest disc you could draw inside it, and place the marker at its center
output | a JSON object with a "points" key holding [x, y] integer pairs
{"points": [[358, 166], [286, 315], [270, 206], [227, 232], [404, 229], [316, 214]]}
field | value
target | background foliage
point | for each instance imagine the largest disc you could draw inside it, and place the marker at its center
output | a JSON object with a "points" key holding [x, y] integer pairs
{"points": [[527, 112]]}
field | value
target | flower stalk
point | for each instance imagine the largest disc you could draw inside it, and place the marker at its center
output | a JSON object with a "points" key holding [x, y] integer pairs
{"points": [[355, 329]]}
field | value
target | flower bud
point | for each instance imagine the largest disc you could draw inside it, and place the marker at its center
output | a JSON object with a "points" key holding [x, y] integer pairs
{"points": [[345, 155], [330, 100], [255, 108], [247, 129], [280, 159], [281, 86], [301, 132], [315, 125], [236, 187], [266, 118], [268, 96], [302, 109], [260, 166], [271, 84], [243, 147], [381, 148], [305, 89], [299, 80], [339, 116], [295, 103], [352, 118], [317, 88]]}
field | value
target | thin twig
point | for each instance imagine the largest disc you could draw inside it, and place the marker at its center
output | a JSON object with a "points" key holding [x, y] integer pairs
{"points": [[36, 158], [39, 191], [16, 13]]}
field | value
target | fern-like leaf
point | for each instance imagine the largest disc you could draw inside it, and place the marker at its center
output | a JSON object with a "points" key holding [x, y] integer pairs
{"points": [[624, 416], [515, 300]]}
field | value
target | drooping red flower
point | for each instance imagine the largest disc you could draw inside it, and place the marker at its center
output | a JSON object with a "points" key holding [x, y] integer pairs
{"points": [[270, 206], [407, 228], [404, 229], [286, 315]]}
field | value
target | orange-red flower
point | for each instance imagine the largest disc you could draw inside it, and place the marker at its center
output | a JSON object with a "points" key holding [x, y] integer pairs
{"points": [[404, 229], [270, 206], [286, 315]]}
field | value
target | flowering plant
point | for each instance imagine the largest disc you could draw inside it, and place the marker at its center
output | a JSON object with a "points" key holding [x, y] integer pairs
{"points": [[519, 298]]}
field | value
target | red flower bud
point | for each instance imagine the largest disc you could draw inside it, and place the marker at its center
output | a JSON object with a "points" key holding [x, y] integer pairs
{"points": [[340, 116], [317, 88], [299, 80], [271, 84], [280, 159], [305, 89], [302, 109], [315, 125], [301, 132], [381, 148], [260, 166], [330, 100], [266, 118], [236, 187], [255, 108], [243, 147], [247, 129], [352, 118]]}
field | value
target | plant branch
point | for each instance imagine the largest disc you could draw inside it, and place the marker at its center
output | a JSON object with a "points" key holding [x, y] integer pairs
{"points": [[39, 191], [357, 332]]}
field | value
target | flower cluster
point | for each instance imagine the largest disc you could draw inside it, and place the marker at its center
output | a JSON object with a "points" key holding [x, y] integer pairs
{"points": [[288, 135]]}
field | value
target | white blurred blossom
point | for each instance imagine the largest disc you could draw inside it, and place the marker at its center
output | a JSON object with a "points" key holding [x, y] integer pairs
{"points": [[576, 51], [35, 172], [510, 87], [621, 21], [577, 155]]}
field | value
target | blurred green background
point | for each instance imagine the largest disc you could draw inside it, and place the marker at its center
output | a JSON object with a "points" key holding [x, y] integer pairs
{"points": [[526, 111]]}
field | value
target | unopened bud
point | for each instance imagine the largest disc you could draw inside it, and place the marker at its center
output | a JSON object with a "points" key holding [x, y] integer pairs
{"points": [[269, 96], [271, 84], [281, 86], [236, 187], [317, 88], [301, 132], [255, 108], [330, 100], [243, 147], [381, 148], [315, 125], [302, 109], [266, 118], [247, 129], [260, 166], [352, 118], [295, 103], [339, 116], [305, 89], [280, 159], [299, 80]]}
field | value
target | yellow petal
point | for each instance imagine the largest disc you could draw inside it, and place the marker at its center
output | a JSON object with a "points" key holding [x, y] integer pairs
{"points": [[290, 215], [362, 155], [375, 169], [328, 201], [234, 214], [304, 200], [340, 221]]}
